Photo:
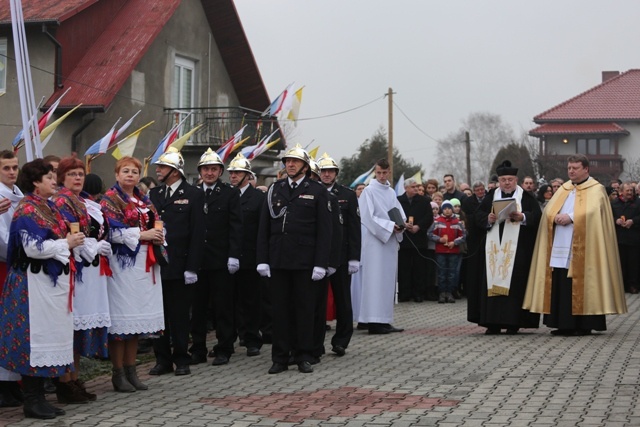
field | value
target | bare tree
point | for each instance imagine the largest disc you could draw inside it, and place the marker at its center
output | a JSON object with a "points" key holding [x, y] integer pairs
{"points": [[631, 169], [488, 134]]}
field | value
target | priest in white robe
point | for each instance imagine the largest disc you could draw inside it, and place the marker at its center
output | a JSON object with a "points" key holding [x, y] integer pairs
{"points": [[380, 242]]}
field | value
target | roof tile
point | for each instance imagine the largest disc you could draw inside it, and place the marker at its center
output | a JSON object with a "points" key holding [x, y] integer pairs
{"points": [[615, 99], [578, 128], [106, 66], [47, 10]]}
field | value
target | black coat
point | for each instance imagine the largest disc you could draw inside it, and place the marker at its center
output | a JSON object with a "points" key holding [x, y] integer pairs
{"points": [[507, 311], [223, 222], [184, 220], [420, 209], [630, 210], [299, 239], [474, 259], [251, 202], [351, 232], [335, 260]]}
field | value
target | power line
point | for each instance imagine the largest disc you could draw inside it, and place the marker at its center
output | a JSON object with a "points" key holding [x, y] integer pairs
{"points": [[338, 113], [414, 125]]}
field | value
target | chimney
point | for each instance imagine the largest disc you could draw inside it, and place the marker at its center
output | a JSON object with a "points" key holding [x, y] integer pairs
{"points": [[608, 75]]}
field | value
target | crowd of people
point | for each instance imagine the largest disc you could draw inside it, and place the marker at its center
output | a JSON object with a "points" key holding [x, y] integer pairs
{"points": [[88, 273]]}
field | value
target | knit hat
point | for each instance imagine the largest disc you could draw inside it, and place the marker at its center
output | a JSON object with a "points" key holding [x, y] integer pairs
{"points": [[434, 205], [446, 204], [455, 202]]}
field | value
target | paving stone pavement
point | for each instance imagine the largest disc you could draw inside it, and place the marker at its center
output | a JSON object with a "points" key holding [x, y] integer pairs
{"points": [[442, 371]]}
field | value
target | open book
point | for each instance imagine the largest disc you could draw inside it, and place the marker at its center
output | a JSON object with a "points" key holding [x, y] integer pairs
{"points": [[502, 208]]}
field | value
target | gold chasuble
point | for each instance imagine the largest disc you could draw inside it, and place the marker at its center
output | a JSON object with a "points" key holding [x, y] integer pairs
{"points": [[594, 266]]}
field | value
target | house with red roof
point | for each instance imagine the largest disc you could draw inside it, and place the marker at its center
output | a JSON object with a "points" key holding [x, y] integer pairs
{"points": [[165, 58], [602, 123]]}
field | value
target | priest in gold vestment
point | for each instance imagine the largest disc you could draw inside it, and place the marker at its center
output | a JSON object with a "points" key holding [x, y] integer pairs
{"points": [[575, 277]]}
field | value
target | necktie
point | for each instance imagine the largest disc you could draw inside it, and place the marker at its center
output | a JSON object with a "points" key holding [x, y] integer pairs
{"points": [[168, 193], [208, 192], [293, 187]]}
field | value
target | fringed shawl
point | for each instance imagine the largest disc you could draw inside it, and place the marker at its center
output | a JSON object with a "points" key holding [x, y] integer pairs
{"points": [[121, 212], [42, 221]]}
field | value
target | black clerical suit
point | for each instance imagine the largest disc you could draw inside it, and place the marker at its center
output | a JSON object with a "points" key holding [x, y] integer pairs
{"points": [[247, 280], [183, 221], [293, 238], [223, 239], [474, 259], [506, 311], [412, 265]]}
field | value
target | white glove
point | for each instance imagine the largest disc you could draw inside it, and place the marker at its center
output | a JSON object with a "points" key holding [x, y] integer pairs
{"points": [[330, 271], [318, 273], [354, 266], [263, 270], [233, 265], [77, 251], [190, 277], [89, 249], [104, 248]]}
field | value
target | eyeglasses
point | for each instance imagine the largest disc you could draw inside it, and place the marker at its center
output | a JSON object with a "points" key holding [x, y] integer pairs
{"points": [[76, 174]]}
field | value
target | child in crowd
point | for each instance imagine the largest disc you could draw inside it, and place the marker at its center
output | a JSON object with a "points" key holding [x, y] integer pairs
{"points": [[448, 233]]}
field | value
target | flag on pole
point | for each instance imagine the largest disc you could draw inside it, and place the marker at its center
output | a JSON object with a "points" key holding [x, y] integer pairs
{"points": [[47, 132], [127, 146], [294, 105], [228, 147], [101, 146], [400, 186], [265, 148], [179, 143], [168, 139], [314, 152], [47, 115], [254, 151], [276, 105], [42, 122], [362, 179], [417, 177], [102, 142]]}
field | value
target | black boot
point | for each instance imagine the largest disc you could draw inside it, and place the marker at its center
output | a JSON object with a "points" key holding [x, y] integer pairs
{"points": [[69, 392], [7, 399], [34, 402]]}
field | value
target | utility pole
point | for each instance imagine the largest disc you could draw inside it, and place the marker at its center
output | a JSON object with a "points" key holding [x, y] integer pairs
{"points": [[467, 142], [390, 153]]}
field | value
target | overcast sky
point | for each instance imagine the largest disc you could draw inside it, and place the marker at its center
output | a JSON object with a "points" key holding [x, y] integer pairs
{"points": [[443, 59]]}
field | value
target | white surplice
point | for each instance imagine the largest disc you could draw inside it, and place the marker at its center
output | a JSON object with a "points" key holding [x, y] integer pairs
{"points": [[379, 258]]}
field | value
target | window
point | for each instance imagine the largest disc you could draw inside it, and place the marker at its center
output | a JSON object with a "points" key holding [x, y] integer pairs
{"points": [[3, 65], [602, 146], [184, 89]]}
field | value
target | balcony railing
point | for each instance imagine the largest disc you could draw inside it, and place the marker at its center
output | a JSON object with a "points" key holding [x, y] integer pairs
{"points": [[602, 167], [220, 124]]}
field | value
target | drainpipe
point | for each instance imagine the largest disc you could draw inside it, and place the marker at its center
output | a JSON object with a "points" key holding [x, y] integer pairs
{"points": [[58, 67], [87, 119]]}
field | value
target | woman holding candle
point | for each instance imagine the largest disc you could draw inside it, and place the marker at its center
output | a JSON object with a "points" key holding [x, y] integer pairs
{"points": [[36, 325], [135, 289], [91, 317]]}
